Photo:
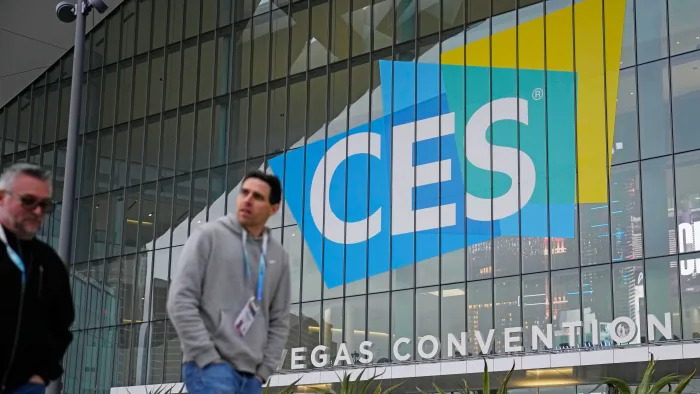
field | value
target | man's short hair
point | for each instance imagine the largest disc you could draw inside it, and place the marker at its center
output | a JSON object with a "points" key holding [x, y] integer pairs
{"points": [[272, 181], [9, 176]]}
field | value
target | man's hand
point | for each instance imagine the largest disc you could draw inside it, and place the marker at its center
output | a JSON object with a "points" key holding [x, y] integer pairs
{"points": [[37, 379], [260, 379]]}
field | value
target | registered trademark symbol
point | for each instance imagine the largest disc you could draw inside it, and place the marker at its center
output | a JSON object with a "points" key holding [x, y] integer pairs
{"points": [[537, 94]]}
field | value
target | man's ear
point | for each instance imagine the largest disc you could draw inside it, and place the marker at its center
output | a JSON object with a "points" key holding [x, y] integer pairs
{"points": [[275, 208]]}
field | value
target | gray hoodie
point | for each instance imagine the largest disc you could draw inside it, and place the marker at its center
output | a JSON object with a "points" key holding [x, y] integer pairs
{"points": [[211, 289]]}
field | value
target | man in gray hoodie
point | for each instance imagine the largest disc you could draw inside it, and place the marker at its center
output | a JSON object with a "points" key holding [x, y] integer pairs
{"points": [[230, 302]]}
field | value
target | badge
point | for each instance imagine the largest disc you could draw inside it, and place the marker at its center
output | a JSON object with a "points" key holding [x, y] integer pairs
{"points": [[246, 317]]}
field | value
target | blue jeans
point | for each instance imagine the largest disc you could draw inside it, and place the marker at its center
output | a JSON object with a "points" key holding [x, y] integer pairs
{"points": [[219, 378], [29, 388]]}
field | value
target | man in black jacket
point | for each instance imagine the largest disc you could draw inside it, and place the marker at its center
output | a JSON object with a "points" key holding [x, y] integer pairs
{"points": [[36, 308]]}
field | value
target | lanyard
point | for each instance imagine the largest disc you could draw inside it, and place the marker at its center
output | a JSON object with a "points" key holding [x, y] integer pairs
{"points": [[13, 255], [261, 271]]}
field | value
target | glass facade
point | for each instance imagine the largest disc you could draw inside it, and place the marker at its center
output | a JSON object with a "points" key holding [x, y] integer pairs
{"points": [[448, 166]]}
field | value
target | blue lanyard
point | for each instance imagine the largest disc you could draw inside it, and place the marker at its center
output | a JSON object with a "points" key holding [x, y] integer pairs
{"points": [[261, 270], [13, 255]]}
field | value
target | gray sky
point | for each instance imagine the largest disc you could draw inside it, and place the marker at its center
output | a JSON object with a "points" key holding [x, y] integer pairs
{"points": [[31, 40]]}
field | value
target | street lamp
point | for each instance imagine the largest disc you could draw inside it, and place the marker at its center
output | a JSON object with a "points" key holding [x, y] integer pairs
{"points": [[68, 12]]}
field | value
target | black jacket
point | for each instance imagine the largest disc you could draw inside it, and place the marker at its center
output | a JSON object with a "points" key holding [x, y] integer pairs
{"points": [[34, 339]]}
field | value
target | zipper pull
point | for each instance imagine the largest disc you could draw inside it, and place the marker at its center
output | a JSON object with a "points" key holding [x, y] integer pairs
{"points": [[41, 279]]}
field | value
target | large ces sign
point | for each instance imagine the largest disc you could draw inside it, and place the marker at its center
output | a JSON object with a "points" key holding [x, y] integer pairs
{"points": [[479, 146]]}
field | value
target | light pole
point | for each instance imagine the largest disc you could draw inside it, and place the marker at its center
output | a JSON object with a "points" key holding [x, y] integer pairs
{"points": [[68, 12]]}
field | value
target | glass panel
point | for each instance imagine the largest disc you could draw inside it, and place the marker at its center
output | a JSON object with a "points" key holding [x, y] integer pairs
{"points": [[159, 25], [136, 153], [192, 18], [121, 140], [159, 284], [113, 35], [261, 48], [99, 226], [220, 132], [453, 13], [277, 116], [654, 109], [685, 32], [427, 319], [536, 293], [175, 20], [97, 54], [65, 107], [207, 59], [688, 201], [172, 83], [223, 72], [109, 101], [652, 36], [189, 72], [128, 18], [429, 16], [310, 324], [209, 15], [243, 10], [402, 321], [507, 310], [104, 163], [241, 55], [659, 207], [217, 196], [168, 151], [185, 142], [280, 44], [628, 290], [148, 207], [405, 20], [239, 131], [38, 107], [566, 307], [51, 114], [145, 21], [163, 213], [625, 208], [258, 123], [383, 27], [332, 325], [292, 239], [181, 209], [92, 122], [479, 313], [131, 219], [596, 296], [151, 150], [355, 325], [202, 139], [140, 88], [297, 110], [300, 38], [115, 224], [198, 213], [318, 52], [626, 140], [686, 100], [82, 247], [453, 311], [690, 294], [155, 89], [88, 165], [156, 357], [663, 294]]}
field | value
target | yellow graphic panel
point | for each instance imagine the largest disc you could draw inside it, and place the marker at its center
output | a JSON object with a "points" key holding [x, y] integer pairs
{"points": [[586, 39]]}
